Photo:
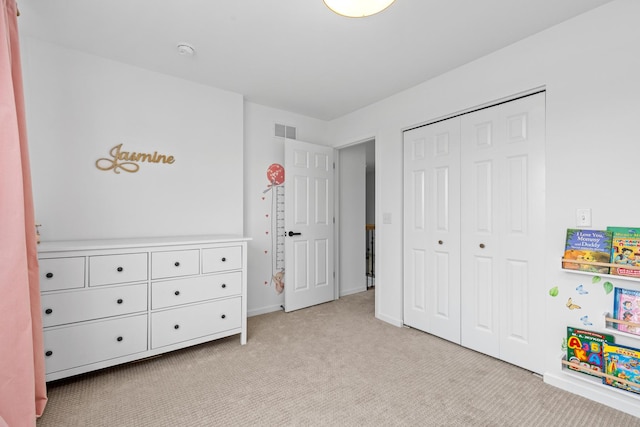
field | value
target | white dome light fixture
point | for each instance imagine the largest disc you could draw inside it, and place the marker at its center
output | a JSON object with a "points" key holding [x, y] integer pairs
{"points": [[357, 8]]}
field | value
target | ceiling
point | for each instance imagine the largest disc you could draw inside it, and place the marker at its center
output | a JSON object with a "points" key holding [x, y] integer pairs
{"points": [[295, 55]]}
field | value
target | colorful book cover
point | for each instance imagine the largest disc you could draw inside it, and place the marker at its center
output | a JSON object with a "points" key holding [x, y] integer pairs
{"points": [[624, 363], [626, 306], [625, 251], [587, 245], [586, 348]]}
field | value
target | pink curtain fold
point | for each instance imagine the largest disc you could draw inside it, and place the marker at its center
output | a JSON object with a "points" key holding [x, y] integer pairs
{"points": [[22, 376]]}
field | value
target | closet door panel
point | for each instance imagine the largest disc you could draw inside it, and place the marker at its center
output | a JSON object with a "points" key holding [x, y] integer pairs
{"points": [[503, 220], [432, 229]]}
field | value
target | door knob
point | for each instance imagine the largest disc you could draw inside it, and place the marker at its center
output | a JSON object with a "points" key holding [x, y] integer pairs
{"points": [[291, 233]]}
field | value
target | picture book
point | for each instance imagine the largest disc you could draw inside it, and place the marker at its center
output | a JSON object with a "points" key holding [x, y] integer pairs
{"points": [[624, 363], [593, 246], [586, 348], [625, 251], [626, 307]]}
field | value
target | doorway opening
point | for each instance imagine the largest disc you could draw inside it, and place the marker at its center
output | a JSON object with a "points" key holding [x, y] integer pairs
{"points": [[356, 217]]}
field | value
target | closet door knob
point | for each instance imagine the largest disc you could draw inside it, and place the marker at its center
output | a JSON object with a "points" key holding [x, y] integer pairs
{"points": [[49, 275], [48, 353], [177, 264], [223, 316], [176, 293], [119, 339], [48, 311], [120, 301], [120, 269], [481, 245], [223, 259], [224, 285], [176, 327]]}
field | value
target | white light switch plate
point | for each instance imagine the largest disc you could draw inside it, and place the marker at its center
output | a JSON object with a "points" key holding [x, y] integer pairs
{"points": [[583, 217]]}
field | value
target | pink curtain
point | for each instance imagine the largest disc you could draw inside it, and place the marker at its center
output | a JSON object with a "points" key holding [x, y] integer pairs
{"points": [[22, 381]]}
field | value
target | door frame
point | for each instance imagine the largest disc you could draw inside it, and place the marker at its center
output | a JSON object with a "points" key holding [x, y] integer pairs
{"points": [[336, 206]]}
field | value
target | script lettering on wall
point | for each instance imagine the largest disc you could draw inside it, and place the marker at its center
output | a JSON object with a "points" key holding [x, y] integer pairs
{"points": [[129, 161]]}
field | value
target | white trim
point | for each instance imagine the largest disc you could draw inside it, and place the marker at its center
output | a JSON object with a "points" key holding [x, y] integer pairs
{"points": [[623, 401]]}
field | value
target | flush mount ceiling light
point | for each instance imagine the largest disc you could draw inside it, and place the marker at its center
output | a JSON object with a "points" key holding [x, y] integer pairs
{"points": [[357, 8]]}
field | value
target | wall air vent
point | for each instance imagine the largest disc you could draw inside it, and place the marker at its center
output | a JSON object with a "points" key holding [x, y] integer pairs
{"points": [[284, 131]]}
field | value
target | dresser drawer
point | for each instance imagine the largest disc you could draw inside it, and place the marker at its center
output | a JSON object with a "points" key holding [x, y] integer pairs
{"points": [[61, 273], [221, 259], [77, 306], [186, 323], [194, 289], [112, 269], [175, 263], [77, 345]]}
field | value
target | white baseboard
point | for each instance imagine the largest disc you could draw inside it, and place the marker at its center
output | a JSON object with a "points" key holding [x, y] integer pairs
{"points": [[263, 310], [392, 320], [345, 292], [621, 400]]}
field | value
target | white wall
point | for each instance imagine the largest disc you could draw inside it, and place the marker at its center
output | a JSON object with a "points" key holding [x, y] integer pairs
{"points": [[261, 150], [589, 67], [352, 216], [79, 106]]}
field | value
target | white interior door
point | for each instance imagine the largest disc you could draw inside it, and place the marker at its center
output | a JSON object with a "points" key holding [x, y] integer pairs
{"points": [[432, 229], [308, 225], [502, 230]]}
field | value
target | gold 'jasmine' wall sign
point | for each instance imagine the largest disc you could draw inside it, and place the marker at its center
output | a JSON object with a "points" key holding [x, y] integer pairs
{"points": [[128, 161]]}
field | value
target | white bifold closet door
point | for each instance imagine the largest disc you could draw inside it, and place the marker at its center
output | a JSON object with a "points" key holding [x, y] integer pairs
{"points": [[497, 204], [432, 229]]}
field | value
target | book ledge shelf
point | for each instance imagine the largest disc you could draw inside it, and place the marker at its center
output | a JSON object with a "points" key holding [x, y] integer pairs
{"points": [[599, 264], [598, 374], [609, 325]]}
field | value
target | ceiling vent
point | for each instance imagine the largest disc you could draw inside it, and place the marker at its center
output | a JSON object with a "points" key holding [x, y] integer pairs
{"points": [[284, 131]]}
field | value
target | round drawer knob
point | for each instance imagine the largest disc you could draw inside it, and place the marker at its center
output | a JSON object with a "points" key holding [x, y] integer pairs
{"points": [[177, 293], [223, 316], [224, 285], [49, 275], [120, 269], [176, 327], [48, 353], [481, 245], [177, 264], [223, 259], [120, 301], [440, 242], [48, 311], [119, 339]]}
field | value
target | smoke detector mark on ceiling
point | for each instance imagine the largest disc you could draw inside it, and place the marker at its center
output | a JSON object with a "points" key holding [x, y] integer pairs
{"points": [[185, 49]]}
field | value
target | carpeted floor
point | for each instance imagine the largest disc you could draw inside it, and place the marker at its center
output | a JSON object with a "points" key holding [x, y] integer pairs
{"points": [[329, 365]]}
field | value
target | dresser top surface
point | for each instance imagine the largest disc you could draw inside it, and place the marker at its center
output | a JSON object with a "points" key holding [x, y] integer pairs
{"points": [[138, 242]]}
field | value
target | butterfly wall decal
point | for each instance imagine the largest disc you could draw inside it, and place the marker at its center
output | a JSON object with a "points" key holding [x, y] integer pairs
{"points": [[585, 321], [581, 290], [572, 306]]}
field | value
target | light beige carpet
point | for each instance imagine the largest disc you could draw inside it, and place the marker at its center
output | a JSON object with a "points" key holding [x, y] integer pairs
{"points": [[329, 365]]}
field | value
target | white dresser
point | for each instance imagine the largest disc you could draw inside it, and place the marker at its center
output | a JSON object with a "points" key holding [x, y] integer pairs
{"points": [[106, 302]]}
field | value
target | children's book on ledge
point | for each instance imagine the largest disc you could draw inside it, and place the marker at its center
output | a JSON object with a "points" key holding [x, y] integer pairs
{"points": [[587, 248], [586, 348], [625, 251], [626, 308], [622, 367]]}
